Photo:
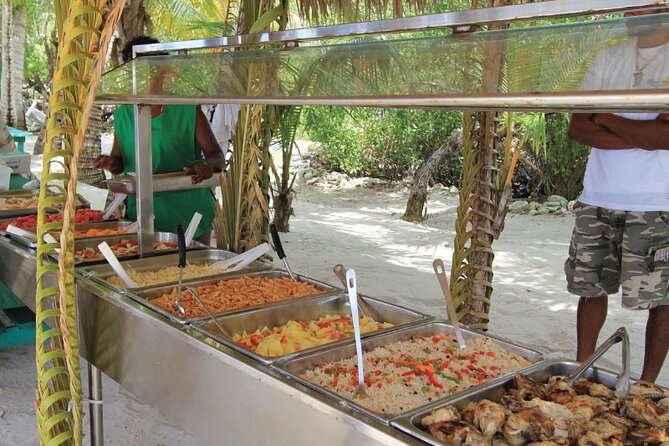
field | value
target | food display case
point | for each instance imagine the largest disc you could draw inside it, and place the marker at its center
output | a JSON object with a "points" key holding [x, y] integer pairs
{"points": [[191, 372]]}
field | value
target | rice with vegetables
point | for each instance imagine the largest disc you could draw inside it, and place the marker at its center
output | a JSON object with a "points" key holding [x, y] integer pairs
{"points": [[407, 374]]}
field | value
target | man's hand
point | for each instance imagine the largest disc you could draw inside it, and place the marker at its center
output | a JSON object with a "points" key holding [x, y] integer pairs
{"points": [[114, 164], [200, 171]]}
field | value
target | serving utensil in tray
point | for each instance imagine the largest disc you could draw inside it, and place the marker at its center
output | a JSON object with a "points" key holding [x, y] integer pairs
{"points": [[103, 272], [278, 247], [296, 366], [623, 382], [181, 245], [303, 310], [494, 391], [145, 296], [164, 237], [340, 272], [351, 283]]}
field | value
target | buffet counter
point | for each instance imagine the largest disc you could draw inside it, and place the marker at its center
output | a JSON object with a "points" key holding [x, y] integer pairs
{"points": [[214, 393]]}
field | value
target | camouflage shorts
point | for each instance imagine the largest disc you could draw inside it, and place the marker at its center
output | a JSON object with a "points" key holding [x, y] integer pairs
{"points": [[610, 249]]}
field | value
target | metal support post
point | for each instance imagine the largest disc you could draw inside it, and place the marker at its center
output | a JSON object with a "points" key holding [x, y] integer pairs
{"points": [[95, 405], [144, 178]]}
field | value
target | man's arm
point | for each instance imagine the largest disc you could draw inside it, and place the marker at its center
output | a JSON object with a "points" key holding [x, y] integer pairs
{"points": [[584, 129], [651, 134]]}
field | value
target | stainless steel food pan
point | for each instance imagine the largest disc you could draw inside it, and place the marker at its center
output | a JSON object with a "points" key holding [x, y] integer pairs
{"points": [[159, 237], [197, 257], [145, 297], [8, 213], [298, 310], [31, 239], [299, 364], [493, 391]]}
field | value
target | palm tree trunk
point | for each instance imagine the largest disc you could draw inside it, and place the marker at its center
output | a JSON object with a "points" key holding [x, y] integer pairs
{"points": [[6, 141], [472, 273], [4, 75], [135, 21], [17, 53], [415, 209]]}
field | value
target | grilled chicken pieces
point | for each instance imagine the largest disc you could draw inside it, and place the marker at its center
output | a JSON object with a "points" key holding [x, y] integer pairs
{"points": [[558, 414]]}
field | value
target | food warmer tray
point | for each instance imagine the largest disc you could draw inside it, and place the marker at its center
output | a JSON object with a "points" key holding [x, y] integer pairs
{"points": [[203, 256], [300, 363], [13, 213], [30, 238], [144, 297], [94, 242], [298, 310], [162, 182], [493, 391]]}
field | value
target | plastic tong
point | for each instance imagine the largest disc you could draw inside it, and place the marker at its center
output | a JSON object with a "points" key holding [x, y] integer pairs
{"points": [[361, 392], [623, 380], [241, 260], [181, 245], [278, 247]]}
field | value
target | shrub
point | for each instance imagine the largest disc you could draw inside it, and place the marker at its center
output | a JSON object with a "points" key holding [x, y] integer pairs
{"points": [[385, 143]]}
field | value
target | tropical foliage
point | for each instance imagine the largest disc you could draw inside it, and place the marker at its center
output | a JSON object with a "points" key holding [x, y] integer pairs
{"points": [[84, 38], [384, 143]]}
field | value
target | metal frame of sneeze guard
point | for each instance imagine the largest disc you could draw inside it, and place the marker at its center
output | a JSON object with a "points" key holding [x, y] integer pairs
{"points": [[456, 20]]}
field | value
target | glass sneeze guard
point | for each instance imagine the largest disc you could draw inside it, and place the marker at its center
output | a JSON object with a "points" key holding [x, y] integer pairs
{"points": [[543, 69]]}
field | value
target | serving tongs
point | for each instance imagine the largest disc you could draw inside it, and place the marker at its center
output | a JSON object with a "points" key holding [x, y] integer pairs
{"points": [[361, 392], [340, 272], [623, 381], [181, 245], [199, 301], [278, 247], [241, 260], [439, 269]]}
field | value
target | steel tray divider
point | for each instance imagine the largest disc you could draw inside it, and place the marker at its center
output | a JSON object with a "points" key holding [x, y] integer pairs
{"points": [[320, 301], [284, 365], [136, 296]]}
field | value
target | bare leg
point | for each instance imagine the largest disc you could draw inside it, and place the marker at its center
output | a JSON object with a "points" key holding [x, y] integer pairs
{"points": [[657, 342], [590, 318]]}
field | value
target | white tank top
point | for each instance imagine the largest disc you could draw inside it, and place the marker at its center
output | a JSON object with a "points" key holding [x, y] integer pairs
{"points": [[631, 179]]}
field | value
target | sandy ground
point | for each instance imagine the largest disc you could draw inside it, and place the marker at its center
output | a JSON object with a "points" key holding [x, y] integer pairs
{"points": [[361, 228]]}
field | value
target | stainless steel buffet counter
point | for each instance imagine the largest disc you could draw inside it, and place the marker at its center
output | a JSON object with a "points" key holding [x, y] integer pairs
{"points": [[216, 394]]}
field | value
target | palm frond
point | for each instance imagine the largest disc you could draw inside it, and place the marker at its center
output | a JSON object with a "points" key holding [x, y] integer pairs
{"points": [[83, 43]]}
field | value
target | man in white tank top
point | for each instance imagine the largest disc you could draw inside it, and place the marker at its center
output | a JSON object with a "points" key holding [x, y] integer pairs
{"points": [[622, 216]]}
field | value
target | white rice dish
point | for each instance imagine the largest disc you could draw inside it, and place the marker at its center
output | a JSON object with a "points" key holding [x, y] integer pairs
{"points": [[408, 374]]}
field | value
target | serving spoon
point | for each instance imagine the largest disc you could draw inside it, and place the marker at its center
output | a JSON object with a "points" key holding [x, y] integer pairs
{"points": [[361, 392], [439, 269], [116, 265]]}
